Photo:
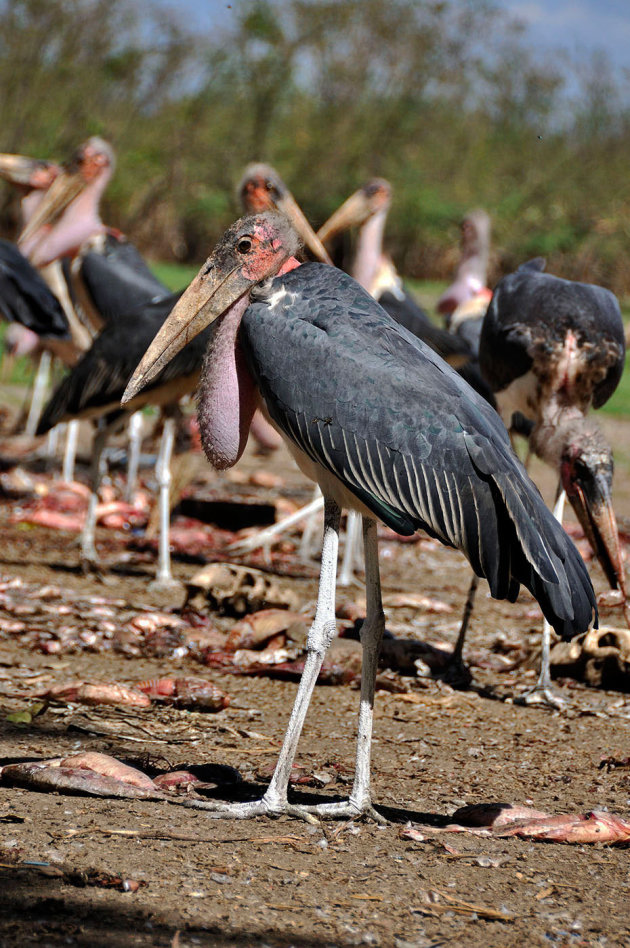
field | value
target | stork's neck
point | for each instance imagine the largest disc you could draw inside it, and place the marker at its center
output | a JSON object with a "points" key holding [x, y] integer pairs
{"points": [[558, 425], [227, 395], [473, 266], [80, 221], [29, 204], [369, 250]]}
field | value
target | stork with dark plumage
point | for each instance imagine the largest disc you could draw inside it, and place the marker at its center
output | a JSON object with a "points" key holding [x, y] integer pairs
{"points": [[94, 388], [41, 326], [552, 349], [384, 426]]}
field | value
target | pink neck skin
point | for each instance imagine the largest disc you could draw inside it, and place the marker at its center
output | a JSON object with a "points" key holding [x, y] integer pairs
{"points": [[227, 396], [369, 249], [29, 204], [80, 221]]}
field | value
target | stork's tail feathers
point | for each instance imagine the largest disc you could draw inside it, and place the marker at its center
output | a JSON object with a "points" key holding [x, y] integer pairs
{"points": [[548, 563]]}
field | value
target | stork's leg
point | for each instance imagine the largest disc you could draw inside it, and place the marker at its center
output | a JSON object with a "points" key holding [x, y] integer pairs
{"points": [[39, 392], [53, 438], [70, 453], [307, 543], [264, 537], [321, 633], [133, 462], [457, 673], [164, 578], [350, 553], [359, 802], [543, 691], [89, 556]]}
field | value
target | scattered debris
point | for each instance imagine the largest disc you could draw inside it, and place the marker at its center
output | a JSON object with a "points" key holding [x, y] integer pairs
{"points": [[239, 590]]}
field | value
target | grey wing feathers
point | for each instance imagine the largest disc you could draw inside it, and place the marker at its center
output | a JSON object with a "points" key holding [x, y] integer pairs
{"points": [[402, 431]]}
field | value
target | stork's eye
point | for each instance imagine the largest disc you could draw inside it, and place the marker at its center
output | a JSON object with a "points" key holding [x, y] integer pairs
{"points": [[244, 245]]}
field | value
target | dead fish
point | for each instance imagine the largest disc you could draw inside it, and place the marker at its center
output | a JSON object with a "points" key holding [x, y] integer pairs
{"points": [[178, 780], [150, 621], [597, 826], [255, 629], [493, 815], [416, 601], [40, 775], [108, 766], [196, 693], [97, 692], [52, 519]]}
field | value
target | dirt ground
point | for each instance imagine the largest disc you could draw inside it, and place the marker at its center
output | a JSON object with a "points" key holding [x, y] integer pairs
{"points": [[284, 882]]}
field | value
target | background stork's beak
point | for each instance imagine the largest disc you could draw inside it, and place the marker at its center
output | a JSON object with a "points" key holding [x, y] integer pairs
{"points": [[62, 192], [20, 169], [353, 212], [291, 209], [591, 500]]}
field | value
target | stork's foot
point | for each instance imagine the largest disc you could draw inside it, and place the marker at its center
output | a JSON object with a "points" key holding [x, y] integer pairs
{"points": [[249, 810], [90, 565], [456, 674], [313, 813], [344, 810], [543, 694], [166, 584]]}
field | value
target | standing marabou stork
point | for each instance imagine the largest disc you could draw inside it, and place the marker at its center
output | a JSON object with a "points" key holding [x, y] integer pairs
{"points": [[41, 325], [367, 209], [551, 349], [383, 425], [93, 389], [471, 277]]}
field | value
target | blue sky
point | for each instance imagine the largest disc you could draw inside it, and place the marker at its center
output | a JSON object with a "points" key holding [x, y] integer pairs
{"points": [[579, 26]]}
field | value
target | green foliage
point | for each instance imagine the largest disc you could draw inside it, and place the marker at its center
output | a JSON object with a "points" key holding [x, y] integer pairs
{"points": [[443, 97], [176, 276]]}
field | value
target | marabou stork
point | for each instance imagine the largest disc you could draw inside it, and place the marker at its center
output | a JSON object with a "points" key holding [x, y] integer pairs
{"points": [[262, 189], [95, 273], [41, 326], [383, 425], [367, 209], [108, 277], [471, 277], [551, 349], [93, 389]]}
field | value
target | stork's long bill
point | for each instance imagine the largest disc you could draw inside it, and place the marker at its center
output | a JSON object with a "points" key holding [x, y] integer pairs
{"points": [[368, 200], [86, 165], [589, 490], [27, 172], [262, 189], [249, 253]]}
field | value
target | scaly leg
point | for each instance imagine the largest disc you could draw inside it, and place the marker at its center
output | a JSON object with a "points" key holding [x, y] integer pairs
{"points": [[164, 578], [70, 453], [456, 672], [133, 462], [275, 801], [264, 537], [89, 556], [306, 550], [543, 691], [350, 553], [39, 391], [359, 803]]}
